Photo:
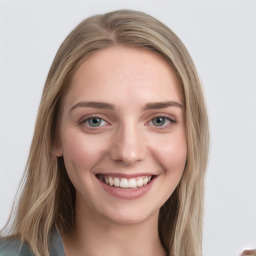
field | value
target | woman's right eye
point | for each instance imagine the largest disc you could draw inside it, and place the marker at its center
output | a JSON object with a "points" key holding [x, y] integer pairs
{"points": [[93, 122]]}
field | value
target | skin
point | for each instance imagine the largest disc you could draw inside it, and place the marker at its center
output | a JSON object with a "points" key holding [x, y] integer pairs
{"points": [[127, 140], [249, 252]]}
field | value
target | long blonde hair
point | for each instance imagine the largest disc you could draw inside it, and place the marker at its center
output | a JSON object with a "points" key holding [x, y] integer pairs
{"points": [[47, 197]]}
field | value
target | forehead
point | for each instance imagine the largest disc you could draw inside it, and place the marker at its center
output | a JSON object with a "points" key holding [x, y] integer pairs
{"points": [[124, 72]]}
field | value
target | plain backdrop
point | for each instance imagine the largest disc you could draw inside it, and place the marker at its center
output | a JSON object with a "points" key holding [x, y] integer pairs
{"points": [[221, 37]]}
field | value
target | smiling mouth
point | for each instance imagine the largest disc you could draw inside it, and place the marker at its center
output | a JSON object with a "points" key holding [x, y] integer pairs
{"points": [[126, 183]]}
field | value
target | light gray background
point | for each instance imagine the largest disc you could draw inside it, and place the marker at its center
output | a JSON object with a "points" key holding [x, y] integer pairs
{"points": [[221, 37]]}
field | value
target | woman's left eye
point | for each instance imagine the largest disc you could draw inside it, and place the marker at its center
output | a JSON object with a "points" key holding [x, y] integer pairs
{"points": [[94, 122], [161, 121]]}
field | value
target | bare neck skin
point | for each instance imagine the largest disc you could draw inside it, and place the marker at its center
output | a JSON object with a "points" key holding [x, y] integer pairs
{"points": [[95, 236]]}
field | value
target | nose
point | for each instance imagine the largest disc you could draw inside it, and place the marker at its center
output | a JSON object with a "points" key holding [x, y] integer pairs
{"points": [[128, 146]]}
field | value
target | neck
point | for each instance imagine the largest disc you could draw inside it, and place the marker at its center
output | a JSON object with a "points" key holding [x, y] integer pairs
{"points": [[95, 236]]}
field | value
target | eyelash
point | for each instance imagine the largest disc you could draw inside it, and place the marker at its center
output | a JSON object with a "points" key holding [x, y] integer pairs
{"points": [[86, 121], [170, 122]]}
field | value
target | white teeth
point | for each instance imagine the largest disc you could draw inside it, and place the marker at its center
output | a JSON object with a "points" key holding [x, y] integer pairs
{"points": [[126, 183], [116, 182], [145, 181], [132, 183], [110, 181], [140, 182]]}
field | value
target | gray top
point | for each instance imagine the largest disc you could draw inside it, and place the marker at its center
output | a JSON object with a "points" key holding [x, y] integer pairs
{"points": [[14, 248]]}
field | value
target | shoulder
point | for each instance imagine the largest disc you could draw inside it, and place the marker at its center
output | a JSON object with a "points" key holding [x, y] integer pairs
{"points": [[13, 247]]}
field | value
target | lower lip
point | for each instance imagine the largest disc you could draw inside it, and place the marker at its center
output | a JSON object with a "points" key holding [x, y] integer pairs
{"points": [[125, 193]]}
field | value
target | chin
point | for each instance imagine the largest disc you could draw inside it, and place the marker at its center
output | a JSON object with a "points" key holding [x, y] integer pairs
{"points": [[130, 217]]}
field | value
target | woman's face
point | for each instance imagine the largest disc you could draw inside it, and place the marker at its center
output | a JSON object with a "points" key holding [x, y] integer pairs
{"points": [[123, 135]]}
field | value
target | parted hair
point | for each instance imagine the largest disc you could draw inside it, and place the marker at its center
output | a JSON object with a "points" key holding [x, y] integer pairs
{"points": [[46, 198]]}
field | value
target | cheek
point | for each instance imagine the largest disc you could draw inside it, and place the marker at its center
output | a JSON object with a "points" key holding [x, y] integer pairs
{"points": [[80, 150], [172, 154]]}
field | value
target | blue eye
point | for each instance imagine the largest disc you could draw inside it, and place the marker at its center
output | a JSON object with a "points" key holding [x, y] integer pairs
{"points": [[95, 122], [161, 121]]}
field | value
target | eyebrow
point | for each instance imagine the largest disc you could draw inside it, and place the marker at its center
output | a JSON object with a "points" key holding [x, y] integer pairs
{"points": [[93, 104], [105, 105], [159, 105]]}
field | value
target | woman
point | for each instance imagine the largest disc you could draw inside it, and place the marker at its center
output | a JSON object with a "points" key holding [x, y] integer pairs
{"points": [[119, 153]]}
